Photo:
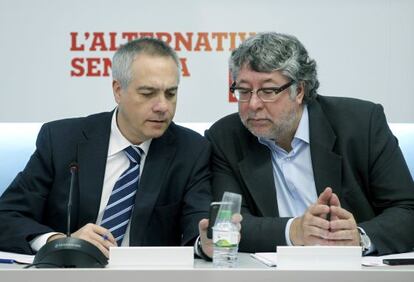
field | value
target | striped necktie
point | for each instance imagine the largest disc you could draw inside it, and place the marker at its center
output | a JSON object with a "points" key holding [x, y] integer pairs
{"points": [[121, 202]]}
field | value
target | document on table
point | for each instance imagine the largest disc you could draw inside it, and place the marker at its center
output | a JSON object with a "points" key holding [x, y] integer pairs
{"points": [[27, 259], [377, 261], [270, 259]]}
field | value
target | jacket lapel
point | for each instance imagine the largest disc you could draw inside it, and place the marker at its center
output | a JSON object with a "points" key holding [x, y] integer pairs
{"points": [[160, 155], [326, 164], [257, 173], [92, 155]]}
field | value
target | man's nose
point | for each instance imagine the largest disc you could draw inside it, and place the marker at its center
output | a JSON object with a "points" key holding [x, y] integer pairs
{"points": [[255, 102], [161, 104]]}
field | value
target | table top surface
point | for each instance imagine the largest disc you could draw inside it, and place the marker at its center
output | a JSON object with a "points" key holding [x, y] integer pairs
{"points": [[245, 263]]}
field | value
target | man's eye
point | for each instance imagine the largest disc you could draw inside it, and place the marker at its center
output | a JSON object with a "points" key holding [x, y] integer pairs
{"points": [[243, 91], [171, 93], [146, 93], [268, 91]]}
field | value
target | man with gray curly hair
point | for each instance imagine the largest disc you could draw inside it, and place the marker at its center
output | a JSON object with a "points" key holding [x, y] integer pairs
{"points": [[312, 169]]}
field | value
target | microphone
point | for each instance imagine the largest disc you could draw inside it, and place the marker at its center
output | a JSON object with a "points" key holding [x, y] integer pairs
{"points": [[73, 171], [70, 252]]}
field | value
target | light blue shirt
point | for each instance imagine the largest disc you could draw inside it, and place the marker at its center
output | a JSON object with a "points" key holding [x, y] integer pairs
{"points": [[293, 173]]}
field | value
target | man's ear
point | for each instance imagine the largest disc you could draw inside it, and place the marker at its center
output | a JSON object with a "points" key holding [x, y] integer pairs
{"points": [[117, 90], [300, 92]]}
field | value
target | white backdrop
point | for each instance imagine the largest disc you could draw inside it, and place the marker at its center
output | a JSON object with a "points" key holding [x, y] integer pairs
{"points": [[364, 49]]}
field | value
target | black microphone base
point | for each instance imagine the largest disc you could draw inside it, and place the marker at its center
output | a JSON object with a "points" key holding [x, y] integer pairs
{"points": [[69, 253]]}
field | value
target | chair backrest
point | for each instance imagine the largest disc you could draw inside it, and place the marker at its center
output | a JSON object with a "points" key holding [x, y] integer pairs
{"points": [[405, 135], [17, 143]]}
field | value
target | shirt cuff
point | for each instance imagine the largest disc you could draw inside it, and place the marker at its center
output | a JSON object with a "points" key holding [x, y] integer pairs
{"points": [[371, 248], [198, 250], [287, 232], [41, 240]]}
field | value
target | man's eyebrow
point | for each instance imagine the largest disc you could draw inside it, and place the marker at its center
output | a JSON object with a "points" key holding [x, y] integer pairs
{"points": [[146, 88], [172, 88], [264, 81]]}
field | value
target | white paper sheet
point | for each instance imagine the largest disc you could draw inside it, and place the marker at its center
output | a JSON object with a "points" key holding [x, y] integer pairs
{"points": [[28, 259], [270, 259], [377, 261]]}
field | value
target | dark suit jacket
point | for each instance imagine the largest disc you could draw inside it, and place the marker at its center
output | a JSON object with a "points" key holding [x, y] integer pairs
{"points": [[173, 194], [352, 150]]}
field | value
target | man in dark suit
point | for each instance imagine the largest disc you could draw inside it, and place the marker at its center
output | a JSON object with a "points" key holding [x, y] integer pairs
{"points": [[170, 176], [312, 170]]}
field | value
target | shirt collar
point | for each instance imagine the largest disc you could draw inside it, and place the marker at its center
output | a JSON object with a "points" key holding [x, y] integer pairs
{"points": [[302, 132], [117, 141]]}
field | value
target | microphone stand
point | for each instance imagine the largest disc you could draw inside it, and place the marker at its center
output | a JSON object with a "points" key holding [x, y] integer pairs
{"points": [[70, 252]]}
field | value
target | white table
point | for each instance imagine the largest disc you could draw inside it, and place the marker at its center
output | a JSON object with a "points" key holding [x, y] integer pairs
{"points": [[249, 270]]}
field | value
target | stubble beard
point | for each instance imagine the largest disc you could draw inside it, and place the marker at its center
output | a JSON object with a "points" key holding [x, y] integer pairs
{"points": [[279, 130]]}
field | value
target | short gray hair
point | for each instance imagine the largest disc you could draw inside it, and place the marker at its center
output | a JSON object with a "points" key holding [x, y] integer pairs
{"points": [[271, 51], [125, 55]]}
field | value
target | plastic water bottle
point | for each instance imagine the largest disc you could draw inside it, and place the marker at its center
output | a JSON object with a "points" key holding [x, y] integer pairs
{"points": [[225, 240]]}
